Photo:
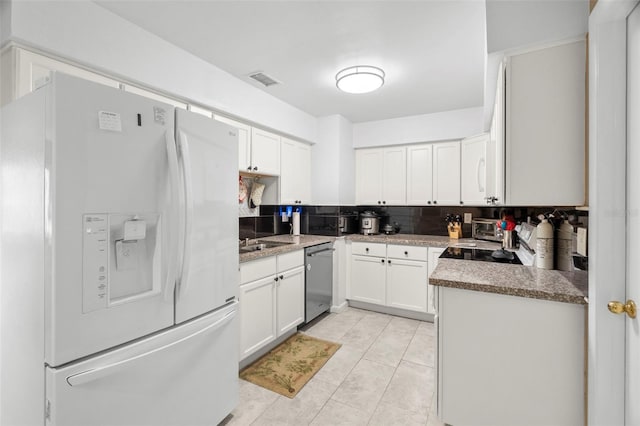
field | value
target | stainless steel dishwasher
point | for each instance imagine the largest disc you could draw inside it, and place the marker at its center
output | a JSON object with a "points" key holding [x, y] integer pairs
{"points": [[318, 279]]}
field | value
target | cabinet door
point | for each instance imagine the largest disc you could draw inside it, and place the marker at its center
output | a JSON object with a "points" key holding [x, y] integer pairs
{"points": [[419, 175], [290, 299], [368, 279], [446, 173], [257, 315], [295, 176], [495, 146], [244, 142], [545, 127], [473, 178], [34, 70], [407, 284], [265, 152], [304, 173], [368, 176], [434, 254], [394, 176]]}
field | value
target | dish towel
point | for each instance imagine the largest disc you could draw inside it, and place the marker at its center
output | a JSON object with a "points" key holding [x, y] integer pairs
{"points": [[256, 195]]}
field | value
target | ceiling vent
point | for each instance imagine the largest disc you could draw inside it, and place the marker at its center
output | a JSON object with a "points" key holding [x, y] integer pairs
{"points": [[263, 79]]}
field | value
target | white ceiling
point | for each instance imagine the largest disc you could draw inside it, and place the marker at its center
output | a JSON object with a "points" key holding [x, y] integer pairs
{"points": [[433, 51]]}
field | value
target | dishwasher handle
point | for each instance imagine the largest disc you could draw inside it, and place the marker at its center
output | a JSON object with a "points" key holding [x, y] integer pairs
{"points": [[320, 251]]}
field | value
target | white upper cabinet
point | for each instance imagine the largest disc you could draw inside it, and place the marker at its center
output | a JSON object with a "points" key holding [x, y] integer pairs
{"points": [[265, 152], [368, 176], [295, 172], [24, 71], [419, 174], [394, 176], [381, 176], [495, 147], [244, 142], [473, 163], [446, 173], [545, 126]]}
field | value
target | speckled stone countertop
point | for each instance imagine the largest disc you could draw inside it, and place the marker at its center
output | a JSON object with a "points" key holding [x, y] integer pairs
{"points": [[295, 243], [402, 239], [513, 280]]}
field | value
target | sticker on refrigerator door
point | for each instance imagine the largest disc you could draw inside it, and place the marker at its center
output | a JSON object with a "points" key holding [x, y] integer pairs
{"points": [[159, 115], [109, 121]]}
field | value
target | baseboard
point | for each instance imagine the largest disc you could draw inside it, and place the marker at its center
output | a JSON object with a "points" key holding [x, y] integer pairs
{"points": [[421, 316], [340, 308]]}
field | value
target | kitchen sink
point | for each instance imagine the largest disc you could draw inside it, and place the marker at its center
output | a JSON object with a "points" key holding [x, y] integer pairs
{"points": [[261, 245]]}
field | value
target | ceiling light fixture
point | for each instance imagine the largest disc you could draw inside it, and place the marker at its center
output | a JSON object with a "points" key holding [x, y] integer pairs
{"points": [[360, 79]]}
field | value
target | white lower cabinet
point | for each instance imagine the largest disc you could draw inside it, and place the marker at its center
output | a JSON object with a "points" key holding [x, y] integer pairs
{"points": [[289, 299], [389, 275], [271, 299], [368, 282], [407, 284], [509, 360], [257, 315]]}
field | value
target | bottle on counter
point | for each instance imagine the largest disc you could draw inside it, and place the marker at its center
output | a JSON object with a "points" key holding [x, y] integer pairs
{"points": [[564, 259], [544, 245]]}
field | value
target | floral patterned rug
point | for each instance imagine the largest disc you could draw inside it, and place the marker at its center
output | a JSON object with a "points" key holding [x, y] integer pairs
{"points": [[289, 366]]}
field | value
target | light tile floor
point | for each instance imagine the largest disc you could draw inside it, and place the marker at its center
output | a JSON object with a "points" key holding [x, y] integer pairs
{"points": [[382, 375]]}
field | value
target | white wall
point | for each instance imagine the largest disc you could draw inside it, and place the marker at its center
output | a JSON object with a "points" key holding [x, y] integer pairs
{"points": [[94, 37], [446, 125], [347, 192], [5, 20], [332, 162]]}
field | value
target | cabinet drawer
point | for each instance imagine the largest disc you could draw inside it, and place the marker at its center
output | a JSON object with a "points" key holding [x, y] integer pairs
{"points": [[290, 260], [369, 249], [407, 252], [256, 269]]}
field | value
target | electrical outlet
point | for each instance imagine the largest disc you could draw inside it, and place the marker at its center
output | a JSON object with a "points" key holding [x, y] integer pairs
{"points": [[467, 218]]}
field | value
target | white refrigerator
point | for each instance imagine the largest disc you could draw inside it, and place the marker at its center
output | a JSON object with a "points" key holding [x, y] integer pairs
{"points": [[119, 260]]}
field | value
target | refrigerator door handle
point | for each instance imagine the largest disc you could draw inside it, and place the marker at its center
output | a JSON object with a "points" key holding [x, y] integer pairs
{"points": [[172, 157], [100, 372], [187, 216]]}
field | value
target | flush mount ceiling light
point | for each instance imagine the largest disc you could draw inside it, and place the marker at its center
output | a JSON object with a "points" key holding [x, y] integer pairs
{"points": [[360, 79]]}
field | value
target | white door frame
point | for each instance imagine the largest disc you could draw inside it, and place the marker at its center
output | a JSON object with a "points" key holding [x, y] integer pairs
{"points": [[607, 208]]}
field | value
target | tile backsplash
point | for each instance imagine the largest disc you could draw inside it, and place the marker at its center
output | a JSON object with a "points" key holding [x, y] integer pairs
{"points": [[323, 220]]}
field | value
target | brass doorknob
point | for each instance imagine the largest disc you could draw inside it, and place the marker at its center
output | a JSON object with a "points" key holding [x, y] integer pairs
{"points": [[619, 307]]}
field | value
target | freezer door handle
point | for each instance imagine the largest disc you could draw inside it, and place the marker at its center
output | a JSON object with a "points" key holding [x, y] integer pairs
{"points": [[172, 159], [187, 217], [100, 372]]}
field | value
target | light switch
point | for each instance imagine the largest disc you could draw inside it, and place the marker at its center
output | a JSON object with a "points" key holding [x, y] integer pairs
{"points": [[467, 217]]}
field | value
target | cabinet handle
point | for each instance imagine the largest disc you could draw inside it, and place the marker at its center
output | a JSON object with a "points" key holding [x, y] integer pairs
{"points": [[378, 201], [382, 260], [249, 168], [384, 202], [388, 261], [428, 202], [435, 202], [480, 188], [276, 278], [406, 253], [461, 202], [366, 249], [282, 277], [255, 168]]}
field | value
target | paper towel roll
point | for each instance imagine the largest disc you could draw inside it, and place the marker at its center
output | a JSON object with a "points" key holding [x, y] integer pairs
{"points": [[295, 219]]}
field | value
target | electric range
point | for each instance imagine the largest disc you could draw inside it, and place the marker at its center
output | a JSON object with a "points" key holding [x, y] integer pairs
{"points": [[482, 255]]}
